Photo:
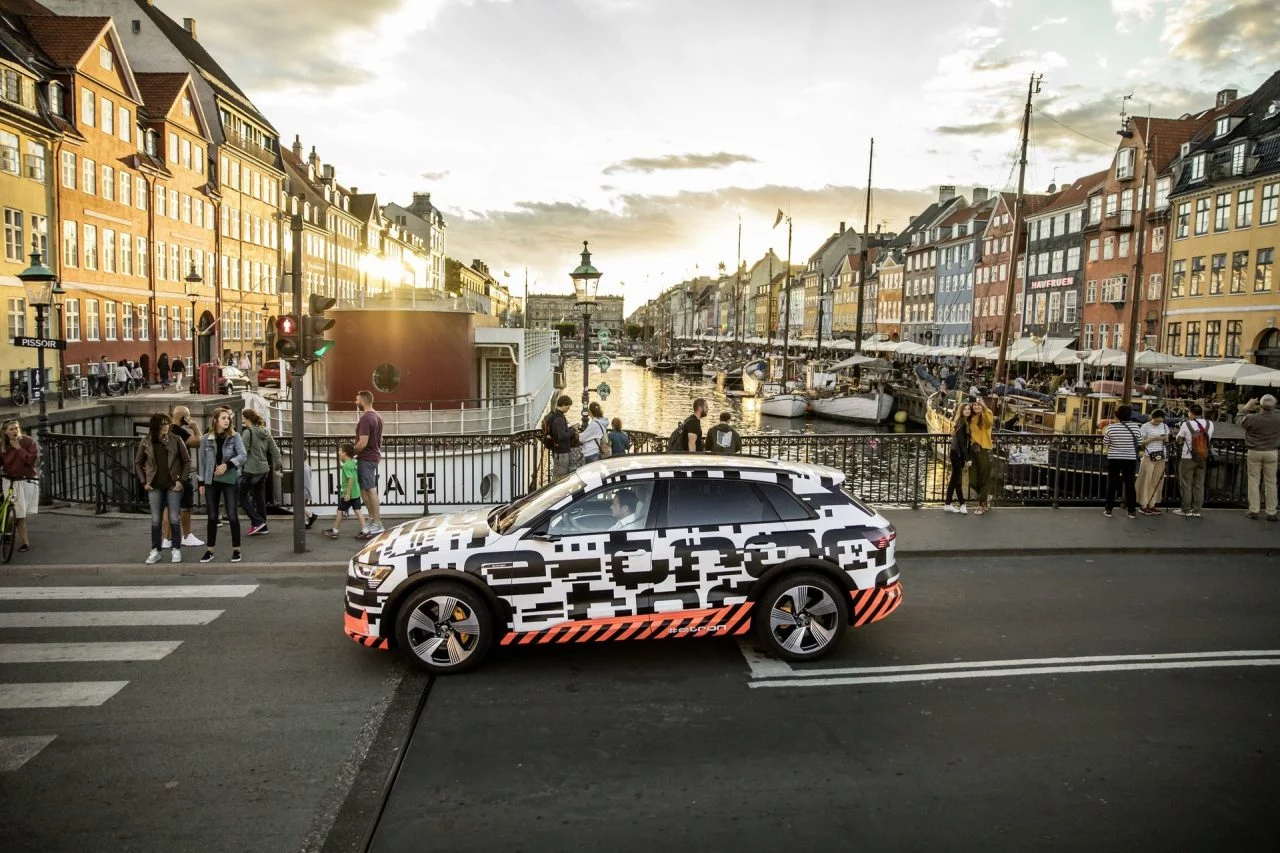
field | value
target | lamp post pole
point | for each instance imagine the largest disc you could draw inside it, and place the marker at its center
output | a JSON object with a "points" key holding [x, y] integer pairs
{"points": [[40, 286], [194, 280], [586, 283]]}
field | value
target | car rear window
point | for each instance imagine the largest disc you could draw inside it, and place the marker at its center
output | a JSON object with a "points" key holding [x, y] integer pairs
{"points": [[698, 503], [786, 505]]}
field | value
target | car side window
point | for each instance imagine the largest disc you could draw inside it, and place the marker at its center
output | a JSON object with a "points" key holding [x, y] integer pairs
{"points": [[704, 502], [613, 508], [785, 504]]}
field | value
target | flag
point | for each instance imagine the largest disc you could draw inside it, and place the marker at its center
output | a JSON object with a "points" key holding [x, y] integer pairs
{"points": [[506, 274], [778, 219]]}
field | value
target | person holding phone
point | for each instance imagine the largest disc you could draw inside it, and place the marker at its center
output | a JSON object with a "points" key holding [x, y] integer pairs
{"points": [[980, 446], [161, 464]]}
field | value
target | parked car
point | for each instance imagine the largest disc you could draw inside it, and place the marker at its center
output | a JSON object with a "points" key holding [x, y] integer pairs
{"points": [[637, 547], [269, 374], [233, 380]]}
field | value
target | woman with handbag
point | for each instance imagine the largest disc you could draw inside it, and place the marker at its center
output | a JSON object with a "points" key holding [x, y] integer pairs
{"points": [[161, 464], [1153, 437], [958, 456], [222, 457]]}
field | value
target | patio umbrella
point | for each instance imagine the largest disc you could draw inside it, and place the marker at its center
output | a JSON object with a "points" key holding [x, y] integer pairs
{"points": [[1106, 358], [1233, 372], [1161, 361], [859, 361]]}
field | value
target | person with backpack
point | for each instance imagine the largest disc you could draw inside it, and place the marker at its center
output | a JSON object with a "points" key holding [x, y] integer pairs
{"points": [[264, 457], [687, 438], [593, 438], [1195, 435], [558, 437], [723, 438], [619, 441], [1121, 440]]}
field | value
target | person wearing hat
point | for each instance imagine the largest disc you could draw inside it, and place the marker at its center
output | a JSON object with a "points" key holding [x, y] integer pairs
{"points": [[1261, 426]]}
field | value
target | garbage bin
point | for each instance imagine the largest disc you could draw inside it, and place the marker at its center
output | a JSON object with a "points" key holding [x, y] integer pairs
{"points": [[208, 379]]}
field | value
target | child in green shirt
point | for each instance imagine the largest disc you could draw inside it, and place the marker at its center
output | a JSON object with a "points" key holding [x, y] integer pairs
{"points": [[348, 489]]}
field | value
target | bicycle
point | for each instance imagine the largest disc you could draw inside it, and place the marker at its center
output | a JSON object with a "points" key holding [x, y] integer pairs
{"points": [[18, 396], [9, 520]]}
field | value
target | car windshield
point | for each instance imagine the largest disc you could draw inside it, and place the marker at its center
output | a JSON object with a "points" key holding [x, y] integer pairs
{"points": [[522, 512]]}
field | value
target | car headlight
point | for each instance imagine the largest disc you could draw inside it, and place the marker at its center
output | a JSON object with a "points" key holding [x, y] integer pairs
{"points": [[371, 572]]}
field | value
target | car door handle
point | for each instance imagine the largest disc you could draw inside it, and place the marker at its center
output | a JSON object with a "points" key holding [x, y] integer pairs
{"points": [[635, 553]]}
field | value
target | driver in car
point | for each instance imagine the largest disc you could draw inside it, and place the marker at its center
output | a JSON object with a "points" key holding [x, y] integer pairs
{"points": [[624, 511]]}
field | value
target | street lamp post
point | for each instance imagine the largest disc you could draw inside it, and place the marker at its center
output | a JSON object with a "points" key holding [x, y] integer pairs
{"points": [[193, 280], [41, 286], [586, 284]]}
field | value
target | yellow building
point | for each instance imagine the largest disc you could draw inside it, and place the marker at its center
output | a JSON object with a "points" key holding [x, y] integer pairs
{"points": [[1222, 296], [27, 140]]}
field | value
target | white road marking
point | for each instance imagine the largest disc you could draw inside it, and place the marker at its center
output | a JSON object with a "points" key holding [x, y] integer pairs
{"points": [[58, 694], [1009, 673], [18, 750], [77, 652], [983, 664], [107, 618], [763, 666], [52, 593]]}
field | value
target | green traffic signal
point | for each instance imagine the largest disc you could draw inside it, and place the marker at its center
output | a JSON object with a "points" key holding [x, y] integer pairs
{"points": [[315, 324]]}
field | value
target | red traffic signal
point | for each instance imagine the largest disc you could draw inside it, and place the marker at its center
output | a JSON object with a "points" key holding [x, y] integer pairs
{"points": [[288, 342]]}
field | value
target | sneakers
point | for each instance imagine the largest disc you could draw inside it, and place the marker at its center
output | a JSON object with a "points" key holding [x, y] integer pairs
{"points": [[1148, 511], [1107, 513], [176, 556], [263, 529], [332, 534], [154, 556], [165, 545], [190, 541], [207, 558], [1197, 515], [235, 556], [962, 509], [311, 519], [1182, 512], [949, 508], [1273, 518], [255, 529], [1252, 515], [1133, 515]]}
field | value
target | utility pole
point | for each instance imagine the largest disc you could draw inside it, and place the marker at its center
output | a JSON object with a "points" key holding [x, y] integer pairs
{"points": [[862, 265], [298, 433], [1001, 367], [1135, 286]]}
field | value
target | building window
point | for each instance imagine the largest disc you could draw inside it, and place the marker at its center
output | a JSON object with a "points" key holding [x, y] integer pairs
{"points": [[186, 321], [93, 331], [162, 324], [88, 102], [1154, 285], [1197, 279], [175, 320], [122, 124], [1174, 338], [1178, 282], [108, 250], [1244, 208], [108, 183], [1217, 272], [162, 206], [17, 318], [1221, 211], [140, 192], [14, 245], [70, 243], [1223, 127], [1125, 160], [104, 57], [1073, 258], [1104, 339], [185, 146], [1262, 271], [1235, 331], [88, 176], [71, 317], [1212, 334], [1202, 216], [126, 254], [90, 247], [108, 113], [1069, 306], [68, 170], [1162, 193], [173, 203], [40, 228], [109, 312], [1193, 339], [144, 322], [1093, 250], [1124, 244], [186, 208], [1095, 209], [1270, 199], [142, 256], [1239, 269], [171, 152], [1183, 226], [1237, 157], [126, 321], [1088, 336], [10, 154], [1197, 174], [1108, 247], [162, 261], [124, 188], [1157, 239]]}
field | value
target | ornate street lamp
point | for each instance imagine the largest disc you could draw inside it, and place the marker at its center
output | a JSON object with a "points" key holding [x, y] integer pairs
{"points": [[586, 284], [193, 280], [41, 285]]}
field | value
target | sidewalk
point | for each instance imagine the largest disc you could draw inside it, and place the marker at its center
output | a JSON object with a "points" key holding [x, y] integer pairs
{"points": [[73, 541]]}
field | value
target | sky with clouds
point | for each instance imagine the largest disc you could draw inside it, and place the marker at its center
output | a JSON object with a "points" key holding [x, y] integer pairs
{"points": [[652, 127]]}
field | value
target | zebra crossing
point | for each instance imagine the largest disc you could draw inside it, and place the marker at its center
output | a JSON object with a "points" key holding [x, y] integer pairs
{"points": [[89, 632]]}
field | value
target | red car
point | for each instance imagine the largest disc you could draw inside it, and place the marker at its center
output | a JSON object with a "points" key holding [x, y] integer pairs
{"points": [[269, 374]]}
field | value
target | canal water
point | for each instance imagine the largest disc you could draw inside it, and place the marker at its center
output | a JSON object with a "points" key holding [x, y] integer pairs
{"points": [[652, 402]]}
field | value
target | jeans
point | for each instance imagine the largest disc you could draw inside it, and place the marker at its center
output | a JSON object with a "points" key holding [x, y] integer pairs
{"points": [[253, 497], [1262, 479], [1120, 473], [560, 465], [160, 501], [956, 483], [1191, 483], [215, 495]]}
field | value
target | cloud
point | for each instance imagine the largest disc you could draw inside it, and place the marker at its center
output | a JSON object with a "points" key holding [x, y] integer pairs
{"points": [[1049, 22], [1128, 11], [435, 176], [982, 128], [673, 162], [1217, 35]]}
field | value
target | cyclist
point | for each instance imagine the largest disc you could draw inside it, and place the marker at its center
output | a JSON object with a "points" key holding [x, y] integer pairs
{"points": [[21, 461]]}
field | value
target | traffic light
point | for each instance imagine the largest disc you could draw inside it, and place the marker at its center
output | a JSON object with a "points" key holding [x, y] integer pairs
{"points": [[288, 338], [315, 325]]}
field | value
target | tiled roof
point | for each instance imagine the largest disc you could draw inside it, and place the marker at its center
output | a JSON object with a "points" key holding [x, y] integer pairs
{"points": [[1264, 131], [160, 90], [23, 7], [1073, 194], [1165, 136], [65, 39], [364, 206]]}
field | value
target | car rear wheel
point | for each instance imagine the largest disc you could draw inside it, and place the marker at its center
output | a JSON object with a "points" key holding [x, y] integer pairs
{"points": [[802, 616], [445, 628]]}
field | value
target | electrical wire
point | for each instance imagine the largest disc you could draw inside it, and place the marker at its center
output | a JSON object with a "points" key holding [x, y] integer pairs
{"points": [[1072, 129]]}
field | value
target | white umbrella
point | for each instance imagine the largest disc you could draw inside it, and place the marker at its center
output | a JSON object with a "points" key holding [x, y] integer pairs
{"points": [[1160, 361], [1235, 373], [1106, 358], [859, 361], [843, 344], [910, 348], [988, 353]]}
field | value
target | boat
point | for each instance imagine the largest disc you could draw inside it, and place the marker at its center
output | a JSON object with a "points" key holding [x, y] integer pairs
{"points": [[640, 361], [663, 365], [689, 361], [729, 380], [710, 371], [785, 406], [866, 407]]}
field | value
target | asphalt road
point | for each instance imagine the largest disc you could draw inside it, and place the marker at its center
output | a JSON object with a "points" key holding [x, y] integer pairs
{"points": [[969, 731], [228, 722]]}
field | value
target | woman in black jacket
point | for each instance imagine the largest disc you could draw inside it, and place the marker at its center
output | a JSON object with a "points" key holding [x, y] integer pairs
{"points": [[958, 455]]}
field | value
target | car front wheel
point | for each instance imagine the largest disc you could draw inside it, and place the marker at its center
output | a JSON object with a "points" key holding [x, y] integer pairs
{"points": [[445, 628], [802, 616]]}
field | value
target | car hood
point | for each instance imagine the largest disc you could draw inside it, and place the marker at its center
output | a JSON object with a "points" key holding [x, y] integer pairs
{"points": [[453, 531]]}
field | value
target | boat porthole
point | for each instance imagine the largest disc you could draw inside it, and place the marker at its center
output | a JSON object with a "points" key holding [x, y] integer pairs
{"points": [[386, 378]]}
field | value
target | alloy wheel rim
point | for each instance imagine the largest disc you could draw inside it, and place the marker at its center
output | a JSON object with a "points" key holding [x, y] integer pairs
{"points": [[443, 630], [803, 619]]}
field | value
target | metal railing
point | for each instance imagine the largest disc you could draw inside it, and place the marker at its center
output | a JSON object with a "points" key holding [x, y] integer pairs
{"points": [[493, 416], [425, 473]]}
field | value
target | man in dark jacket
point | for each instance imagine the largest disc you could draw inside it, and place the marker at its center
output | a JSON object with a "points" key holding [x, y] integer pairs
{"points": [[561, 437], [723, 438]]}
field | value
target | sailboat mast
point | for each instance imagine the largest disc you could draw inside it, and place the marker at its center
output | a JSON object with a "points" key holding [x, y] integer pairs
{"points": [[768, 317], [866, 235], [737, 292], [1001, 367], [786, 323], [1135, 286]]}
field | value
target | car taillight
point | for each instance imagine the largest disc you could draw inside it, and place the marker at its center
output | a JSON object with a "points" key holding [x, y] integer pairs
{"points": [[882, 537]]}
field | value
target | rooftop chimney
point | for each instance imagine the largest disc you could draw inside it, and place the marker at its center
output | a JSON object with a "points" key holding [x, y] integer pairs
{"points": [[328, 174], [297, 146], [841, 227], [1225, 97], [946, 192], [314, 159], [979, 195], [189, 24], [911, 220]]}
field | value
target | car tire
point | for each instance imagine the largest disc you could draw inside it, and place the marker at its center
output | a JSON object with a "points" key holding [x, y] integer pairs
{"points": [[801, 616], [437, 644]]}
